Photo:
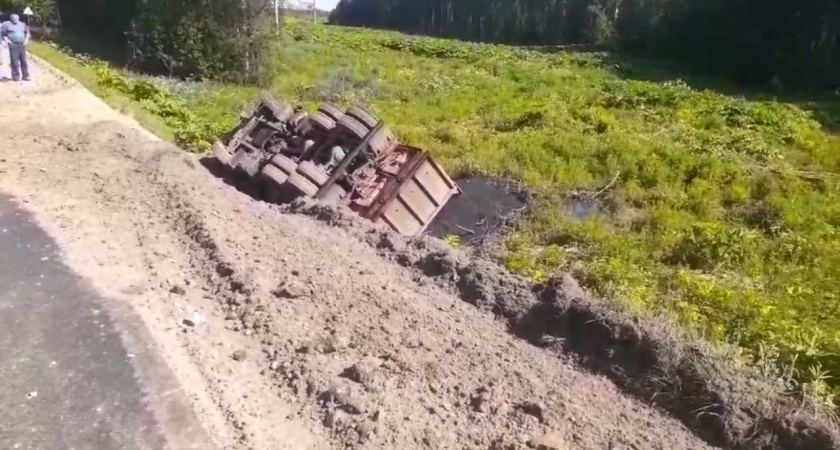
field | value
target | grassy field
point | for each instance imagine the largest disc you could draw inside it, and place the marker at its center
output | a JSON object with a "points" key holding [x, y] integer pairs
{"points": [[720, 211]]}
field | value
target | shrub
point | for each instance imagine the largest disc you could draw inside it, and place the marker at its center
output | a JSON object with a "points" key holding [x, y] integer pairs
{"points": [[222, 39]]}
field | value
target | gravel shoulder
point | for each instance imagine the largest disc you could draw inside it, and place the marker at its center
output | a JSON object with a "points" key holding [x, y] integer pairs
{"points": [[284, 332]]}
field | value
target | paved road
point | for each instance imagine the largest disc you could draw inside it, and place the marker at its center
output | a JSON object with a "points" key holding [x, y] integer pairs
{"points": [[66, 380]]}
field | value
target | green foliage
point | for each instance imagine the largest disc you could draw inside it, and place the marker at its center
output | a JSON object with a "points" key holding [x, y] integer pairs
{"points": [[190, 131], [452, 240], [44, 10], [221, 39]]}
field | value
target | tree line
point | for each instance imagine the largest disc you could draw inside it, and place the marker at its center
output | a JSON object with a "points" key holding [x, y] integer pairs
{"points": [[794, 42], [222, 39]]}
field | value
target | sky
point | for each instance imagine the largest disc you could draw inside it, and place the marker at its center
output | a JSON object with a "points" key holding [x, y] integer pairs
{"points": [[328, 5]]}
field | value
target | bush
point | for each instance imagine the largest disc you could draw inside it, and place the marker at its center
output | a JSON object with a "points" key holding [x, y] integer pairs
{"points": [[221, 39], [191, 132]]}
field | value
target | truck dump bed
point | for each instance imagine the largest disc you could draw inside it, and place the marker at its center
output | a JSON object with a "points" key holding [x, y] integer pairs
{"points": [[415, 196]]}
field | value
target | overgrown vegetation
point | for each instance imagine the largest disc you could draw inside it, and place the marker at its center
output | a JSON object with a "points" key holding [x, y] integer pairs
{"points": [[716, 209], [779, 42]]}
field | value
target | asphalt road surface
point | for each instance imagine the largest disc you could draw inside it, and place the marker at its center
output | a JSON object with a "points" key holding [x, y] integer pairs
{"points": [[66, 378]]}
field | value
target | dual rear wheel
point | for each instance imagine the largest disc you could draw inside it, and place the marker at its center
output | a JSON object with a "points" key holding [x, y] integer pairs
{"points": [[309, 178], [285, 180]]}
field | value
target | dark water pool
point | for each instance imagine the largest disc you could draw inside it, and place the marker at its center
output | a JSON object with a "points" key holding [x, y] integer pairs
{"points": [[485, 207]]}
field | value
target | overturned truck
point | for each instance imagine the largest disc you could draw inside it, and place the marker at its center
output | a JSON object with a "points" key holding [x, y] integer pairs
{"points": [[347, 158]]}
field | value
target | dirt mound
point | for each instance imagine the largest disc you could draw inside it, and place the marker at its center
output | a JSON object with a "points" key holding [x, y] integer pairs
{"points": [[727, 405]]}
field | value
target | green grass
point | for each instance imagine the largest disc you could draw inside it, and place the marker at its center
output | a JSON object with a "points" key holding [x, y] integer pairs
{"points": [[721, 211]]}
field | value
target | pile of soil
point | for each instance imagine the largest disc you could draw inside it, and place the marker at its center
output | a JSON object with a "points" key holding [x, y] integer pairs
{"points": [[726, 404]]}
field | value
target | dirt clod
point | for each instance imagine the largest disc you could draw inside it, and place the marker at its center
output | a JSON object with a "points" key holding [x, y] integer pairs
{"points": [[366, 430], [240, 355], [177, 290], [553, 440], [344, 398], [290, 288], [193, 320], [480, 401], [364, 371], [336, 418], [534, 409]]}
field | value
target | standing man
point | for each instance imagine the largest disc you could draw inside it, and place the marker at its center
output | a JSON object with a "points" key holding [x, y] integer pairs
{"points": [[5, 67], [16, 33]]}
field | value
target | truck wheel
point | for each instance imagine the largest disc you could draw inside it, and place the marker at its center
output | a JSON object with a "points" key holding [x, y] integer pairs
{"points": [[363, 116], [282, 112], [249, 165], [274, 176], [301, 185], [383, 141], [353, 127], [284, 163], [330, 111], [322, 121], [313, 173], [221, 153]]}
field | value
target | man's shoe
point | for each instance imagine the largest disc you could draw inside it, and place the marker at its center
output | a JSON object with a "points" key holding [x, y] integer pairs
{"points": [[26, 79]]}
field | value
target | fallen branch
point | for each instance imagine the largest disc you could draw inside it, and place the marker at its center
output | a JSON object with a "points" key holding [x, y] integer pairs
{"points": [[466, 229], [607, 187]]}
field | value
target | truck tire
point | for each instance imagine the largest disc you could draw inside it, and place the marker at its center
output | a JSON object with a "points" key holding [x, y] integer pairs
{"points": [[330, 111], [221, 153], [313, 173], [322, 121], [352, 127], [298, 183], [249, 165], [274, 176], [383, 141], [282, 112], [284, 163], [363, 116]]}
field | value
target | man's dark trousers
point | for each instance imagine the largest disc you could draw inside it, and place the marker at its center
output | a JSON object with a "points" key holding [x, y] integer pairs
{"points": [[19, 65]]}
